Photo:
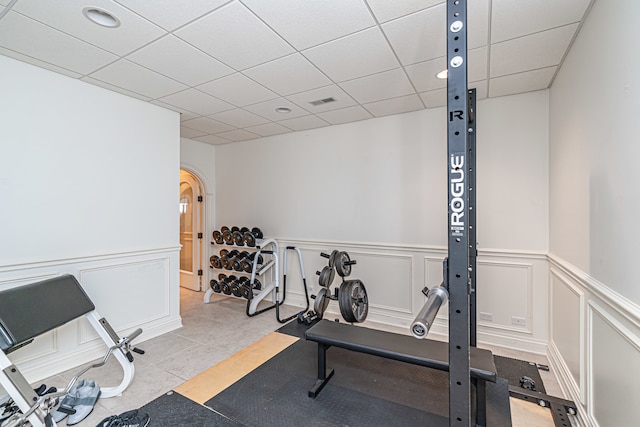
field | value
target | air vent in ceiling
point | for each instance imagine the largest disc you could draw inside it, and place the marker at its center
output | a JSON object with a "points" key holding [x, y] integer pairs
{"points": [[322, 101]]}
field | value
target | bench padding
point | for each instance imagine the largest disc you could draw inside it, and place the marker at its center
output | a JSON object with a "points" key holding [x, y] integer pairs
{"points": [[429, 353], [30, 310]]}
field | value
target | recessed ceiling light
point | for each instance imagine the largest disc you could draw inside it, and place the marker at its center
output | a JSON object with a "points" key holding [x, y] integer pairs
{"points": [[101, 17], [283, 110], [443, 74]]}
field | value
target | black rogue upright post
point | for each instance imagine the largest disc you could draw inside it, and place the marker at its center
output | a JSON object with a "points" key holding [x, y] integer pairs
{"points": [[458, 210], [473, 250]]}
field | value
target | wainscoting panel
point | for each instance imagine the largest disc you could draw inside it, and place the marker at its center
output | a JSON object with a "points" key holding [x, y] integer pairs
{"points": [[131, 290], [614, 366]]}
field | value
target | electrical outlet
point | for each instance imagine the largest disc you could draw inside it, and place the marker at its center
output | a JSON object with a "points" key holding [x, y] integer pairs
{"points": [[519, 321], [486, 316]]}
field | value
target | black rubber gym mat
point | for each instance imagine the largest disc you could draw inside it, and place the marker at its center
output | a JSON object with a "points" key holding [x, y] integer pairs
{"points": [[365, 391], [173, 409], [511, 369]]}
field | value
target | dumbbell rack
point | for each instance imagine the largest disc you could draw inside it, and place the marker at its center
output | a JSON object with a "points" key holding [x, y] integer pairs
{"points": [[268, 245]]}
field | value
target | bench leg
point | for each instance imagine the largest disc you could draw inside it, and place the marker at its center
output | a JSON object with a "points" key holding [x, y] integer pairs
{"points": [[481, 402], [323, 375]]}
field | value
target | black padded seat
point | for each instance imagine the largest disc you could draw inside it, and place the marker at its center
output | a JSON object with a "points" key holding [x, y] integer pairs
{"points": [[30, 310], [429, 353]]}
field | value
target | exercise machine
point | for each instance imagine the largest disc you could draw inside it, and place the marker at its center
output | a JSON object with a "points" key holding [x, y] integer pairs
{"points": [[31, 310]]}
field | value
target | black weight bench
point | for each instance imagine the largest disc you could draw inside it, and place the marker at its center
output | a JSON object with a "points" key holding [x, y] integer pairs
{"points": [[31, 310], [428, 353]]}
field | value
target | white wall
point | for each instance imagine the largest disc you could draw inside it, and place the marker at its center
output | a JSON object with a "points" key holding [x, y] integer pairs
{"points": [[594, 203], [89, 186], [377, 188]]}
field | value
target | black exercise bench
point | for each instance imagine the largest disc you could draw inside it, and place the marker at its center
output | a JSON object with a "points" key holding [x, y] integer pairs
{"points": [[429, 353]]}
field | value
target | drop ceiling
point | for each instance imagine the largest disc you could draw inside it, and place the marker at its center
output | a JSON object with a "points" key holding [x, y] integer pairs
{"points": [[227, 66]]}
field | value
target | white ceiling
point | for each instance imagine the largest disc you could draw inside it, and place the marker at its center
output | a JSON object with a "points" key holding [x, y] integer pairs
{"points": [[227, 65]]}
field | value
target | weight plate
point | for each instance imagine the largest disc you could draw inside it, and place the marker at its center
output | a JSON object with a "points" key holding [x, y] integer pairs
{"points": [[217, 237], [257, 285], [322, 302], [224, 252], [332, 258], [243, 280], [342, 263], [257, 232], [235, 228], [224, 228], [326, 277], [237, 266], [233, 253], [353, 301], [249, 239], [228, 237], [238, 239], [224, 262], [222, 276], [216, 286], [244, 229]]}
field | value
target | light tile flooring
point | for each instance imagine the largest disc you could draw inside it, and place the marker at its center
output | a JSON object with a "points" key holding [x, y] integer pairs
{"points": [[212, 333]]}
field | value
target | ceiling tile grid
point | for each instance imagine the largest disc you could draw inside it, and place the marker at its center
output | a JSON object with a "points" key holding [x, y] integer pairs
{"points": [[227, 65]]}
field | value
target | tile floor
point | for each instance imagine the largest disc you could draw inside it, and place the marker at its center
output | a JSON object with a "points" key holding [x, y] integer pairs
{"points": [[211, 333]]}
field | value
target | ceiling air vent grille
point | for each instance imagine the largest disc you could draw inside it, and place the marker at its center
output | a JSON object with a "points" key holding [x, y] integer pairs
{"points": [[322, 101]]}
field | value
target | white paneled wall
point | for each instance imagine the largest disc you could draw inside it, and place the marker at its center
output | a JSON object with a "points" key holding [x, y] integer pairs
{"points": [[90, 185], [594, 345]]}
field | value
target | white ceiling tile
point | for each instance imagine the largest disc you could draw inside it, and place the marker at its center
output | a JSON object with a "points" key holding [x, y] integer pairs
{"points": [[288, 75], [309, 23], [207, 125], [304, 123], [114, 88], [212, 139], [238, 135], [522, 82], [268, 109], [2, 8], [130, 76], [399, 105], [52, 46], [38, 63], [420, 36], [239, 118], [235, 36], [423, 74], [386, 10], [357, 55], [434, 98], [184, 114], [390, 84], [171, 14], [197, 102], [186, 132], [268, 129], [345, 115], [511, 19], [67, 16], [179, 60], [238, 89], [304, 99], [537, 50]]}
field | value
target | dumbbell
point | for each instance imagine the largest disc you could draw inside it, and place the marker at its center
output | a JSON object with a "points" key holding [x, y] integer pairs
{"points": [[227, 260], [227, 235], [215, 261], [250, 236], [215, 286], [226, 284], [217, 237], [247, 263], [235, 263]]}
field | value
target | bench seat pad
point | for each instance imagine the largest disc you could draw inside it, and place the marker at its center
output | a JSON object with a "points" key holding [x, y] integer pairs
{"points": [[429, 353]]}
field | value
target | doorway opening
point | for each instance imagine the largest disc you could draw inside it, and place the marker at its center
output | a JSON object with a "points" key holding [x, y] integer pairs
{"points": [[191, 231]]}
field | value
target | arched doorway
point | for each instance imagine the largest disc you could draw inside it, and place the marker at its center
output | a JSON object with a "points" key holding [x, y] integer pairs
{"points": [[191, 233]]}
